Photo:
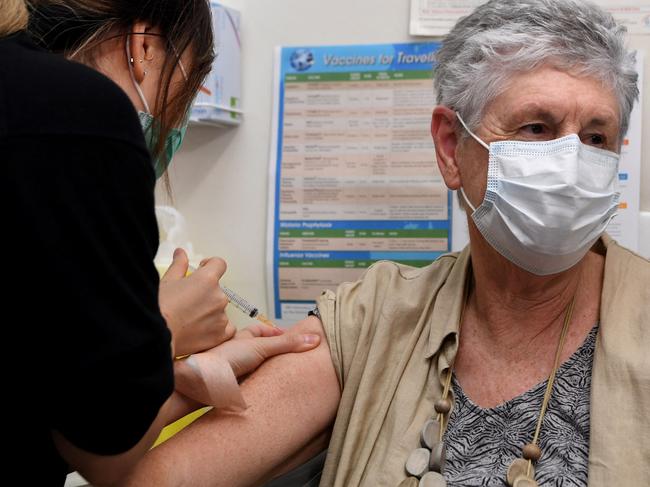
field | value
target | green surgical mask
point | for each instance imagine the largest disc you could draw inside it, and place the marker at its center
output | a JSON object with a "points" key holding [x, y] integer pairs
{"points": [[151, 126], [151, 129]]}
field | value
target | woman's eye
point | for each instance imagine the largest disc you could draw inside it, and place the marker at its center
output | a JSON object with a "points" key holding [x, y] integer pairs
{"points": [[595, 139], [534, 129]]}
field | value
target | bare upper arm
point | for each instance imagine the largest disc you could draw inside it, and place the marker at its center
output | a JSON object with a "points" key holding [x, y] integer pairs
{"points": [[292, 401]]}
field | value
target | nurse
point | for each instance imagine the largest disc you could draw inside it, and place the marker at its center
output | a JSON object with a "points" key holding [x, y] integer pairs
{"points": [[89, 334]]}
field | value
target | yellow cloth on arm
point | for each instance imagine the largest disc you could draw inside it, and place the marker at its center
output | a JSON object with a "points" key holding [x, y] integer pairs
{"points": [[173, 428]]}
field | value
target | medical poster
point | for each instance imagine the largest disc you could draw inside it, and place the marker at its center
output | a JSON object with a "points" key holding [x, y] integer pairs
{"points": [[437, 17], [353, 177]]}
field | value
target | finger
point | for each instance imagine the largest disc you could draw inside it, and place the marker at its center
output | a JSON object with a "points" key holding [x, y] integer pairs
{"points": [[258, 330], [223, 334], [212, 340], [244, 334], [214, 265], [230, 331], [271, 331], [251, 331], [178, 267], [287, 343]]}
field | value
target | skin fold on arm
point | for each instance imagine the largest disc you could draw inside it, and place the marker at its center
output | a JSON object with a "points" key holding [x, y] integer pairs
{"points": [[292, 401]]}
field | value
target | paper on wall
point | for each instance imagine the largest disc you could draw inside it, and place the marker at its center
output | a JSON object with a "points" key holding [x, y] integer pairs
{"points": [[353, 178], [437, 17], [633, 14]]}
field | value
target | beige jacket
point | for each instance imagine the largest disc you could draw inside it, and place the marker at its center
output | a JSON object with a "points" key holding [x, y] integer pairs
{"points": [[393, 334]]}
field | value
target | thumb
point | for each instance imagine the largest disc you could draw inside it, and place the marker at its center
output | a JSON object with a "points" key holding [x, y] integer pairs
{"points": [[287, 343], [178, 267]]}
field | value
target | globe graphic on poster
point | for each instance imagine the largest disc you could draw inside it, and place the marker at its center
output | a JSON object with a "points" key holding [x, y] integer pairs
{"points": [[302, 59]]}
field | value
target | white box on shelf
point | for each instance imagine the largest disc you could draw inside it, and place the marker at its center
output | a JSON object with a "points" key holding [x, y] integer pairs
{"points": [[219, 100]]}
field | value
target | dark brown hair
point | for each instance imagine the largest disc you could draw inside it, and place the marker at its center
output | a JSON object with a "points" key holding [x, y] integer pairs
{"points": [[75, 27]]}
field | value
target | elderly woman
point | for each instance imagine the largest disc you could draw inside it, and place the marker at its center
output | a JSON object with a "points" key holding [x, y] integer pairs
{"points": [[521, 361]]}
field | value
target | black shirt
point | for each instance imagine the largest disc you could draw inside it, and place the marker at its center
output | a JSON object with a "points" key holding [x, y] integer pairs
{"points": [[86, 350]]}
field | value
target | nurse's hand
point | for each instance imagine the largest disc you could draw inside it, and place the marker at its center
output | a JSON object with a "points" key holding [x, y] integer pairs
{"points": [[257, 343], [211, 377], [195, 306]]}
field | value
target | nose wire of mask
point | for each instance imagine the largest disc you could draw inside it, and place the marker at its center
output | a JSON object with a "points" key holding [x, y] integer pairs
{"points": [[546, 202]]}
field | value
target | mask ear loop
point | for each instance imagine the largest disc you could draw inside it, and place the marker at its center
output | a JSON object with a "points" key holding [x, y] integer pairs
{"points": [[184, 73], [474, 136], [129, 61], [462, 191], [477, 139]]}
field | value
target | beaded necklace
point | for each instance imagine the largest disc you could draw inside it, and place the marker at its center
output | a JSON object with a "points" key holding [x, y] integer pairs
{"points": [[426, 465]]}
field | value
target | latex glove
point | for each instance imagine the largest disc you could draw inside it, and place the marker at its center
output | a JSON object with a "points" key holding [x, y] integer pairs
{"points": [[195, 306], [211, 377]]}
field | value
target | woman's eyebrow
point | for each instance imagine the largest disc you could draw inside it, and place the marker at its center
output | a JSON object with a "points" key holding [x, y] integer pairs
{"points": [[602, 121], [526, 113], [534, 112]]}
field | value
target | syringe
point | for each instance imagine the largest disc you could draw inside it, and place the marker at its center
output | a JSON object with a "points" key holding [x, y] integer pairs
{"points": [[240, 303], [243, 305]]}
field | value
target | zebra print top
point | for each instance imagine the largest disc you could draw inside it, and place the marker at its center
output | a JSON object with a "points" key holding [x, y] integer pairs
{"points": [[482, 443]]}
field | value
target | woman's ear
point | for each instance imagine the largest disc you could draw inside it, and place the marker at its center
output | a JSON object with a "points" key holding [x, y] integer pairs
{"points": [[443, 132], [139, 46]]}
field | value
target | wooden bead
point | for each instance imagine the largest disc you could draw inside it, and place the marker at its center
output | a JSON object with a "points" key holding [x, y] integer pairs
{"points": [[409, 482], [418, 462], [531, 452], [442, 406], [438, 457], [432, 479], [430, 434], [517, 469], [524, 481]]}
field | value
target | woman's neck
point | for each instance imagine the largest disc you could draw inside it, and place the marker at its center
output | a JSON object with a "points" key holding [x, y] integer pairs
{"points": [[513, 320], [515, 306]]}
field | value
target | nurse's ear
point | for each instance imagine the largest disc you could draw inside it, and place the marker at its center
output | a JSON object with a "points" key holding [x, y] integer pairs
{"points": [[147, 57], [443, 132], [138, 47]]}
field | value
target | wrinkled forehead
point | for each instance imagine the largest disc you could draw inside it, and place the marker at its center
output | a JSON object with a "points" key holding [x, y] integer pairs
{"points": [[554, 95]]}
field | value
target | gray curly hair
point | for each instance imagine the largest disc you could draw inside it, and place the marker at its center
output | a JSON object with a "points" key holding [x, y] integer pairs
{"points": [[503, 37]]}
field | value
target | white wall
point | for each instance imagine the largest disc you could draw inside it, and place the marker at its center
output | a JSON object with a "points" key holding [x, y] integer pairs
{"points": [[220, 175]]}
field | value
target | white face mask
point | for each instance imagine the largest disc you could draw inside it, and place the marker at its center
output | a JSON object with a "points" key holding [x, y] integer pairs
{"points": [[546, 203]]}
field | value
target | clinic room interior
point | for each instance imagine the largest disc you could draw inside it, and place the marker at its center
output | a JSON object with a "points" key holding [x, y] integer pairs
{"points": [[400, 243]]}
